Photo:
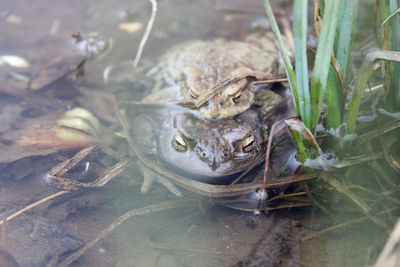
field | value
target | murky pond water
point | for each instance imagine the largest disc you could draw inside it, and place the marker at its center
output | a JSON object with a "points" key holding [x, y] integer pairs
{"points": [[40, 80]]}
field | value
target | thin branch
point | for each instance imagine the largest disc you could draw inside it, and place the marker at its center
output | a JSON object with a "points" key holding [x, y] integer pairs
{"points": [[37, 203]]}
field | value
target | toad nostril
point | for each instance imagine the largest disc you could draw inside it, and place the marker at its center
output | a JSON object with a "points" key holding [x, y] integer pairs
{"points": [[214, 165], [225, 155]]}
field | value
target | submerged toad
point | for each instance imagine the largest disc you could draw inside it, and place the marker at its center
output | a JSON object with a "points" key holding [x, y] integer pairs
{"points": [[220, 129], [207, 149], [218, 148], [215, 78]]}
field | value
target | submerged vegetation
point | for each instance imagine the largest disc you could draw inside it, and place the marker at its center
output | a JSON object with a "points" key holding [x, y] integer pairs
{"points": [[342, 150]]}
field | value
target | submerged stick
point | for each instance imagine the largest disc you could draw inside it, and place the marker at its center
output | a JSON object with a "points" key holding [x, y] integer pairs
{"points": [[72, 185], [340, 225], [140, 211], [332, 228], [288, 205], [37, 203], [390, 126], [328, 178], [61, 168], [66, 185]]}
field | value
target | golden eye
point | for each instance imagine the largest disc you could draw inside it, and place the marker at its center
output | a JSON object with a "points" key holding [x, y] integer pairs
{"points": [[179, 144], [194, 94], [248, 143], [236, 97]]}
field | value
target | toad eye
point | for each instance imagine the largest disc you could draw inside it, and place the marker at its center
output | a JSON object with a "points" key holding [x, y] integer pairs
{"points": [[248, 143], [236, 97], [179, 144], [194, 94]]}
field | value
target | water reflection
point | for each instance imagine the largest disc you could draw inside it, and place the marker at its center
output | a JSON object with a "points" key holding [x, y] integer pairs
{"points": [[197, 233]]}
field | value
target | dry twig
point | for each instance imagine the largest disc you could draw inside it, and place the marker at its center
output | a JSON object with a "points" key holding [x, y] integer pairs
{"points": [[146, 32], [267, 154]]}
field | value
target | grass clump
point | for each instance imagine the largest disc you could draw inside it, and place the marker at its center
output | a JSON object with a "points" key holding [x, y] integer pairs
{"points": [[365, 172], [335, 27]]}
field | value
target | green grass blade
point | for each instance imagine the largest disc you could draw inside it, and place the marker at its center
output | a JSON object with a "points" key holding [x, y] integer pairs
{"points": [[395, 46], [334, 100], [322, 60], [361, 83], [342, 48], [358, 93], [392, 36], [288, 65], [345, 29], [321, 5], [300, 52]]}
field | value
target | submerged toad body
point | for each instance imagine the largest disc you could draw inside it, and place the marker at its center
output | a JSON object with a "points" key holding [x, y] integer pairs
{"points": [[215, 78], [207, 148], [204, 149], [212, 149], [220, 129]]}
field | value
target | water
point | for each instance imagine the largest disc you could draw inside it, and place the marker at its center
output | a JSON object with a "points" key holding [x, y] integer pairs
{"points": [[194, 234]]}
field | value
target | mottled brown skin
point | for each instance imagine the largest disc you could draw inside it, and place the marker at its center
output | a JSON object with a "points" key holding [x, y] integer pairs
{"points": [[212, 149], [225, 135], [192, 69]]}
